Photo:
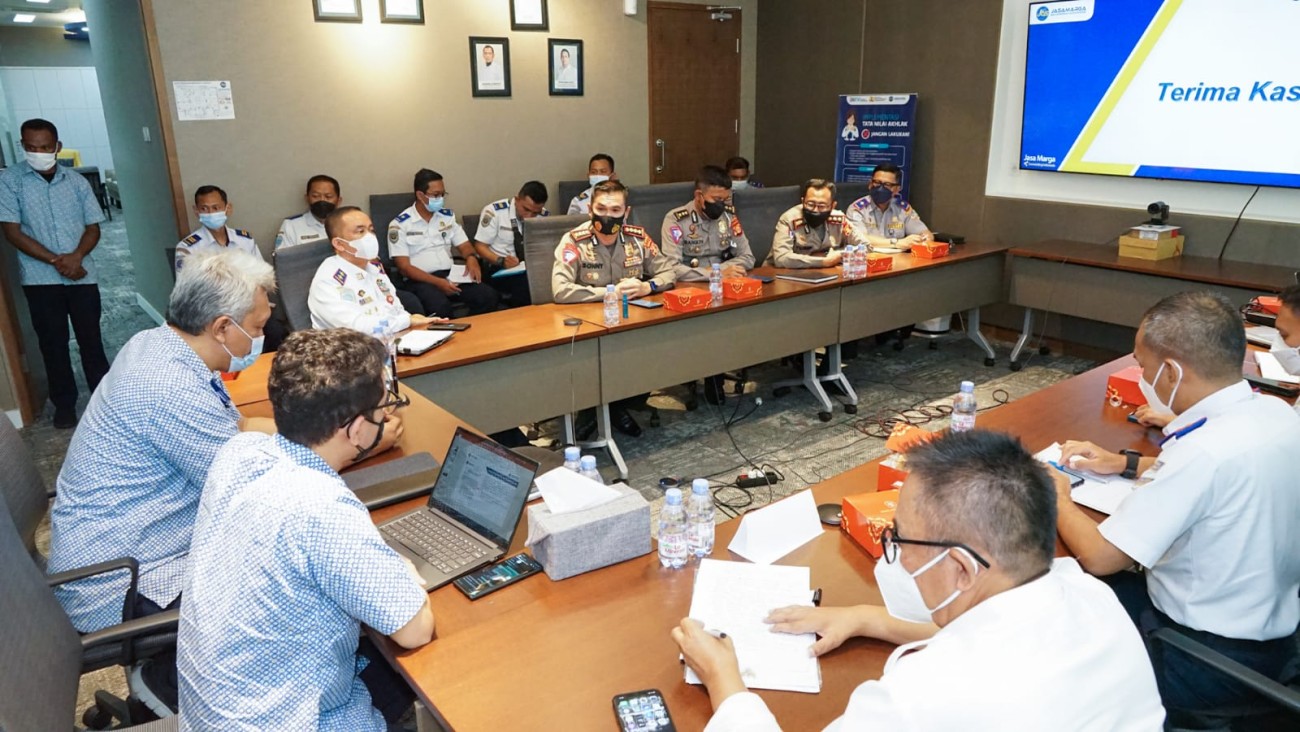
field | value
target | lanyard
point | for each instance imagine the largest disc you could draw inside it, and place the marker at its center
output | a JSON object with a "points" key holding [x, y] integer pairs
{"points": [[1184, 431]]}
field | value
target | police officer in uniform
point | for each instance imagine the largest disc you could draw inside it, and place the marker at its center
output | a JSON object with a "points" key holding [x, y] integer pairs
{"points": [[213, 208], [738, 169], [603, 252], [420, 242], [323, 196], [813, 233], [599, 169], [705, 232], [882, 217], [351, 289], [499, 241]]}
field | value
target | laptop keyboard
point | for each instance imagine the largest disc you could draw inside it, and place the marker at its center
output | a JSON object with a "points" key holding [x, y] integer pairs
{"points": [[436, 542]]}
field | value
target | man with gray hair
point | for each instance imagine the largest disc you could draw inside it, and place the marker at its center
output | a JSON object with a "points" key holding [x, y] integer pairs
{"points": [[1212, 522], [993, 633]]}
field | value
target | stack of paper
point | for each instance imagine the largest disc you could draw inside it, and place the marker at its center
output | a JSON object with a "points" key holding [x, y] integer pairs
{"points": [[734, 598], [517, 269], [1270, 368], [1099, 492]]}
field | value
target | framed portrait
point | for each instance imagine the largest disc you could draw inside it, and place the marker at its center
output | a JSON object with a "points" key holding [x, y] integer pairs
{"points": [[566, 64], [337, 11], [401, 11], [489, 65], [529, 15]]}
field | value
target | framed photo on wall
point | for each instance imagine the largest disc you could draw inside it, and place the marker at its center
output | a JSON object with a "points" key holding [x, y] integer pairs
{"points": [[566, 63], [489, 64], [337, 11], [401, 11], [529, 15]]}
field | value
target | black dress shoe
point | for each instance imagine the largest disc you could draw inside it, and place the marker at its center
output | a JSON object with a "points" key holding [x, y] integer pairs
{"points": [[624, 423], [65, 418], [713, 390], [585, 430]]}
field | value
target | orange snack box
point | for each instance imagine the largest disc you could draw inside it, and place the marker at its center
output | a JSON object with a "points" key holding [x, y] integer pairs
{"points": [[1122, 387], [741, 288], [930, 249], [879, 263], [866, 516], [687, 299]]}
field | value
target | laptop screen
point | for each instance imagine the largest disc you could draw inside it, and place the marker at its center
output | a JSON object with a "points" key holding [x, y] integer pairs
{"points": [[483, 485]]}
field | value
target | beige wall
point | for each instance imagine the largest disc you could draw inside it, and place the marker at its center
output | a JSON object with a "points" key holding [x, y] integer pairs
{"points": [[372, 103]]}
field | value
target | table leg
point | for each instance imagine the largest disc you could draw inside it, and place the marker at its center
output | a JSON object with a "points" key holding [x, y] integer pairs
{"points": [[811, 383], [1025, 331], [973, 333], [835, 373], [604, 438]]}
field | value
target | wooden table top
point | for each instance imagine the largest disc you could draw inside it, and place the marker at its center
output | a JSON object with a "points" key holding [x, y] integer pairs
{"points": [[1227, 273]]}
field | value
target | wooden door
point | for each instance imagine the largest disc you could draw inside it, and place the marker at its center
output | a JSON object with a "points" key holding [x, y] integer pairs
{"points": [[694, 55]]}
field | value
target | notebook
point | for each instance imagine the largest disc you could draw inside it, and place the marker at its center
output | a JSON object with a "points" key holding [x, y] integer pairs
{"points": [[808, 278]]}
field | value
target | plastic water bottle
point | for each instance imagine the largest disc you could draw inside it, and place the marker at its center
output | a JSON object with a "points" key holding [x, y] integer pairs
{"points": [[854, 263], [587, 469], [715, 283], [672, 530], [963, 408], [699, 519], [572, 458], [611, 306], [861, 263]]}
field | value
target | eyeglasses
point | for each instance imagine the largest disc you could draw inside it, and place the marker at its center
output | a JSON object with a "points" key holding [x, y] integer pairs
{"points": [[816, 206], [876, 183], [889, 541], [391, 403]]}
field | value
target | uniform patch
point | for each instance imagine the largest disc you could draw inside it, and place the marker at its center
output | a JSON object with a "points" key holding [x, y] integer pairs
{"points": [[193, 239], [486, 221], [393, 235], [340, 276], [676, 233], [501, 205], [244, 233], [347, 295], [735, 226], [447, 212], [362, 297], [403, 216], [570, 254]]}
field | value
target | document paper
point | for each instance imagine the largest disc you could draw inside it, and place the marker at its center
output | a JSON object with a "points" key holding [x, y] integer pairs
{"points": [[734, 598], [1099, 492], [565, 491]]}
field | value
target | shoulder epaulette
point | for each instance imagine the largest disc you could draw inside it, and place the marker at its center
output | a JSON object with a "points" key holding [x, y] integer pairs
{"points": [[501, 205], [447, 212], [904, 205], [582, 196], [634, 230], [544, 213], [581, 234], [244, 233], [295, 218], [835, 218], [402, 216], [862, 202], [193, 239], [729, 208], [681, 213]]}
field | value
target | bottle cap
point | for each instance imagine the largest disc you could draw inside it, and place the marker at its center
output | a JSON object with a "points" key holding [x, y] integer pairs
{"points": [[673, 496], [588, 462], [700, 486], [609, 288], [572, 454], [968, 387]]}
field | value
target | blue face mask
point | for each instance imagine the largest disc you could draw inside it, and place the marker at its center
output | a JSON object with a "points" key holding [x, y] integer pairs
{"points": [[434, 205], [239, 363], [214, 220], [880, 195]]}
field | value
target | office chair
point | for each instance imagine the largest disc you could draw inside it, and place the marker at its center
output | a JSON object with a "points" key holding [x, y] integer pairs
{"points": [[294, 269], [171, 261], [1285, 695], [44, 654], [25, 502]]}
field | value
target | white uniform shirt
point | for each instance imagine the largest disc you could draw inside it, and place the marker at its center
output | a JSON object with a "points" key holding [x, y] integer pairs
{"points": [[581, 203], [300, 229], [1214, 520], [497, 224], [201, 239], [344, 296], [1056, 654], [429, 243]]}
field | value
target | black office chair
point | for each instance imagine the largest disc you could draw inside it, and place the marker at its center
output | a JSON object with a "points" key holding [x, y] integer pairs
{"points": [[1285, 695], [171, 261], [294, 269]]}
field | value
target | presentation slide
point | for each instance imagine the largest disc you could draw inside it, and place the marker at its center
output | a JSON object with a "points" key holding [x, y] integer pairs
{"points": [[1203, 90]]}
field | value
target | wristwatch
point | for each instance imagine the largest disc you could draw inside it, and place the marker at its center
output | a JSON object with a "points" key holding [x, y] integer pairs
{"points": [[654, 287], [1131, 466], [893, 241]]}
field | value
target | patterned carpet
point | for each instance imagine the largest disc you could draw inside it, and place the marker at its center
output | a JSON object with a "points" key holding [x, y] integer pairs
{"points": [[783, 433]]}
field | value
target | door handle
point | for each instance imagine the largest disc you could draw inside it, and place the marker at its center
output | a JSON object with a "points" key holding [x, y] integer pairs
{"points": [[662, 152]]}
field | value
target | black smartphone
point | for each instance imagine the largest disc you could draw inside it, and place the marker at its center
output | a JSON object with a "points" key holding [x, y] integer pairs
{"points": [[458, 327], [641, 711], [1133, 417], [765, 279], [647, 304], [1279, 388], [490, 579]]}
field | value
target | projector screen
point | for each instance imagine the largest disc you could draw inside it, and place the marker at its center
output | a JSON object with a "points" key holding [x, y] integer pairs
{"points": [[1203, 90]]}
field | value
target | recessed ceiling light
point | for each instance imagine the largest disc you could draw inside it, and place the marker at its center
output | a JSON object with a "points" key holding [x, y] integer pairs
{"points": [[39, 2], [24, 17]]}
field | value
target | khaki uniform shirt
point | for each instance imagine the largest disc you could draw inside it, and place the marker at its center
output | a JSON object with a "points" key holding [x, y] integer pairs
{"points": [[584, 266], [693, 243], [897, 221], [797, 245]]}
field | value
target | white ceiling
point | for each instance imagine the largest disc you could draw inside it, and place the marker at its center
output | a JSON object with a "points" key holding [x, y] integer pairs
{"points": [[48, 15]]}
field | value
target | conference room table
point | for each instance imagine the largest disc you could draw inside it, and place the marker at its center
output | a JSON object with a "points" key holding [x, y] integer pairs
{"points": [[1092, 281], [543, 655]]}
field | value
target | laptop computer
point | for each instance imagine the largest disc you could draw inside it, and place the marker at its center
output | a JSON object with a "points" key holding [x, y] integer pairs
{"points": [[472, 513]]}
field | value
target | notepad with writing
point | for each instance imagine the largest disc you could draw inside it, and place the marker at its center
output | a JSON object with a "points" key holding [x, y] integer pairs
{"points": [[517, 269], [808, 278], [734, 598], [1099, 492]]}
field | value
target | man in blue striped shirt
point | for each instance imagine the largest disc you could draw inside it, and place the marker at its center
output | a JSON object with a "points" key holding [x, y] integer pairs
{"points": [[50, 215]]}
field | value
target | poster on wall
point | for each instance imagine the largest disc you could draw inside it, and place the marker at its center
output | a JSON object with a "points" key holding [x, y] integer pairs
{"points": [[200, 100], [874, 129]]}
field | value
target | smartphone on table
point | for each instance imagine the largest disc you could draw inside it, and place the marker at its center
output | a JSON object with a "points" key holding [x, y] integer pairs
{"points": [[643, 711]]}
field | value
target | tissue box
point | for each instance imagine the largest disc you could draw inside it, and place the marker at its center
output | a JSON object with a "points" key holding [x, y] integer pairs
{"points": [[930, 249], [866, 515], [572, 543], [891, 472], [741, 288], [687, 299], [879, 263], [1122, 387]]}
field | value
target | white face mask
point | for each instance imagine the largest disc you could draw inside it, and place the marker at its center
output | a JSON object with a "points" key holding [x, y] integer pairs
{"points": [[594, 179], [1286, 355], [367, 247], [902, 597], [42, 161], [739, 185], [1149, 390]]}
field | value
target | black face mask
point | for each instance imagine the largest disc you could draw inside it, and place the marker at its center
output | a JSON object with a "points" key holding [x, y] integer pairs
{"points": [[607, 225], [815, 218], [714, 209], [880, 195], [321, 209], [362, 452]]}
